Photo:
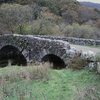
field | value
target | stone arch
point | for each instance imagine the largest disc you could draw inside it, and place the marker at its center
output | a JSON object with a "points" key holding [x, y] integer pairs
{"points": [[11, 55], [56, 61]]}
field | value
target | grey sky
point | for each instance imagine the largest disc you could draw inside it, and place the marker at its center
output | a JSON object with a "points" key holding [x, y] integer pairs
{"points": [[95, 1]]}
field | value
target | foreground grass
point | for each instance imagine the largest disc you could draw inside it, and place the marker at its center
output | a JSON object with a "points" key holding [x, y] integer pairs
{"points": [[59, 85]]}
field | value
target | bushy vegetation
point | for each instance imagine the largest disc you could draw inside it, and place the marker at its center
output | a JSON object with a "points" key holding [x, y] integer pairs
{"points": [[81, 31], [53, 17], [77, 63], [98, 57], [14, 15], [54, 5]]}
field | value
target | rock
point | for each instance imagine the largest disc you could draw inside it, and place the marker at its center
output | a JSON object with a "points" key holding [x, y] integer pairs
{"points": [[98, 67]]}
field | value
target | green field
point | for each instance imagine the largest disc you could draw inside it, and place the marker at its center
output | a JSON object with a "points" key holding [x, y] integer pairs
{"points": [[57, 85]]}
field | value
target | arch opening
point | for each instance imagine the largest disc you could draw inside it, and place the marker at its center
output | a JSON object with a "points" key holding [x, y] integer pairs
{"points": [[55, 61], [10, 55]]}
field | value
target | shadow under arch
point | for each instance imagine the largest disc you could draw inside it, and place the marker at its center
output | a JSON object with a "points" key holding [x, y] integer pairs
{"points": [[12, 55], [57, 62]]}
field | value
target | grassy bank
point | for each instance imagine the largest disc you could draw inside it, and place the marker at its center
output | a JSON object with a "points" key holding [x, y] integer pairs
{"points": [[56, 85]]}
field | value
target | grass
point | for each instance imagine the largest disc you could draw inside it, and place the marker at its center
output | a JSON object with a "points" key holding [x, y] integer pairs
{"points": [[61, 85], [17, 73]]}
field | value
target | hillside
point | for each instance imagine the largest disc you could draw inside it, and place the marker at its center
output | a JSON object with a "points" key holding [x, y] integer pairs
{"points": [[90, 4], [53, 17]]}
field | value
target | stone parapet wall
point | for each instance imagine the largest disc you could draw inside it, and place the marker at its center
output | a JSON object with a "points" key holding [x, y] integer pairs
{"points": [[72, 40]]}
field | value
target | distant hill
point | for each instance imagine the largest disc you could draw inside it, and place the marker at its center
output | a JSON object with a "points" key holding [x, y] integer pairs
{"points": [[90, 4]]}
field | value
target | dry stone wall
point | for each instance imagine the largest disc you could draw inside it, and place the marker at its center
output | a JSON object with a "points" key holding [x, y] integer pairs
{"points": [[77, 41]]}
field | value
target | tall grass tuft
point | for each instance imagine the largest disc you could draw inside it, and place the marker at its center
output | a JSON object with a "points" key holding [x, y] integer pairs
{"points": [[16, 73], [77, 63]]}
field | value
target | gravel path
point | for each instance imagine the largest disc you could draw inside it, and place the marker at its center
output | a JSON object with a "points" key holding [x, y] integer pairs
{"points": [[86, 48]]}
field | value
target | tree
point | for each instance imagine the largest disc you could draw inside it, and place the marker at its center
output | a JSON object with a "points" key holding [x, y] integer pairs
{"points": [[12, 16]]}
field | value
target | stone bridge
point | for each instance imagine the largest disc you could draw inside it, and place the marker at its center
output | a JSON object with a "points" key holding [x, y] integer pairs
{"points": [[26, 49]]}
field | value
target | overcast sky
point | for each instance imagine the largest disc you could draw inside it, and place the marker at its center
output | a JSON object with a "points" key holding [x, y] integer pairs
{"points": [[95, 1]]}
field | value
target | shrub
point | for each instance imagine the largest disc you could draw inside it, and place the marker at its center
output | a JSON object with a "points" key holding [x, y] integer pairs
{"points": [[98, 57], [43, 26], [81, 31], [15, 18], [13, 15], [24, 29], [77, 63]]}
